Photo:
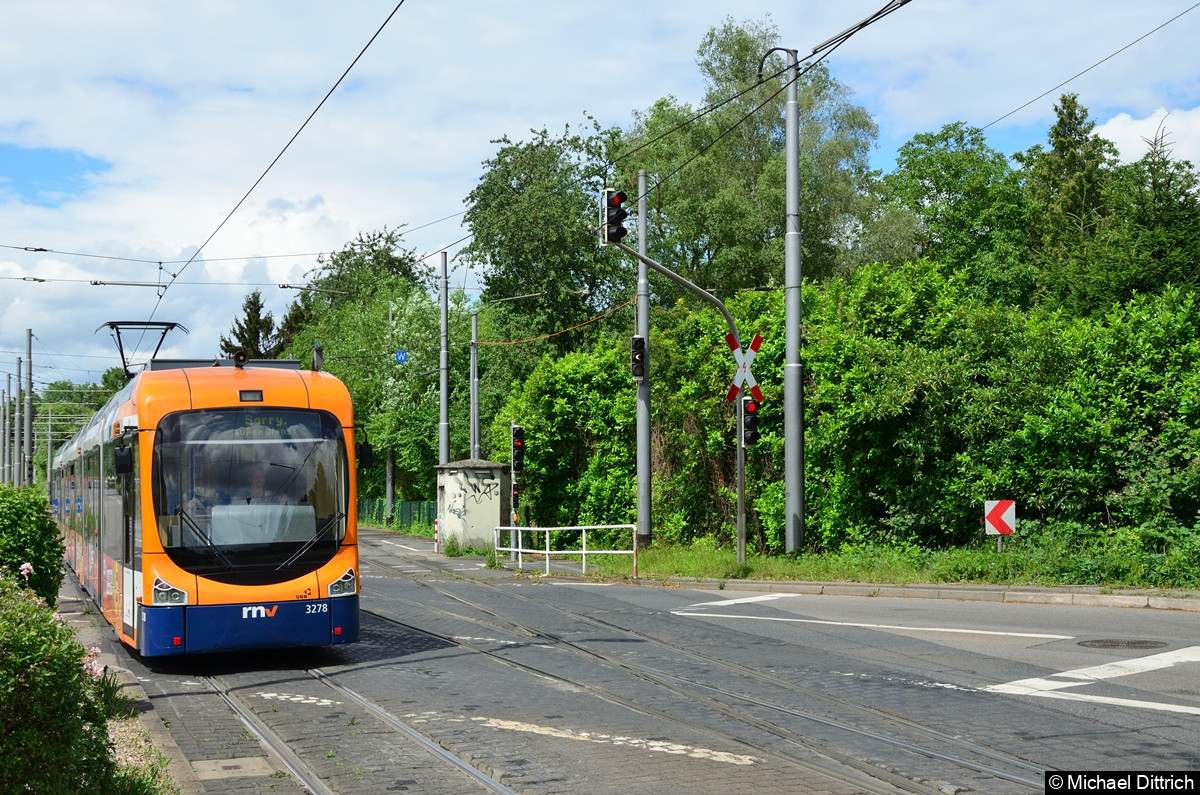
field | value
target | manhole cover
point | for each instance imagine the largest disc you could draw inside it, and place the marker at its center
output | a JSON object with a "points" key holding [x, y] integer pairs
{"points": [[1122, 644]]}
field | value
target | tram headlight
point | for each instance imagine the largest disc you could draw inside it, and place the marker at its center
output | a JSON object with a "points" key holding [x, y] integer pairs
{"points": [[163, 593], [346, 585]]}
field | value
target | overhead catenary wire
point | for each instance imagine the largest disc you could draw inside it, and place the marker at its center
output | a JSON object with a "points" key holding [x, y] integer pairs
{"points": [[277, 158], [1093, 66], [833, 42], [829, 47]]}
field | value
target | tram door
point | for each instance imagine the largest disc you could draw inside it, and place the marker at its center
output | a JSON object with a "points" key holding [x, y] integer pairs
{"points": [[91, 525], [131, 538]]}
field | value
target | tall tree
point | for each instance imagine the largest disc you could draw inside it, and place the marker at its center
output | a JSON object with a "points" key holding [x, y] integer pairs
{"points": [[365, 302], [1158, 201], [369, 262], [254, 332], [113, 380], [544, 277], [1068, 193], [718, 179], [529, 216], [971, 205]]}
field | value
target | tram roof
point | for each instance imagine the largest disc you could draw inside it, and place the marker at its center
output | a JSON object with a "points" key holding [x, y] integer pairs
{"points": [[177, 364]]}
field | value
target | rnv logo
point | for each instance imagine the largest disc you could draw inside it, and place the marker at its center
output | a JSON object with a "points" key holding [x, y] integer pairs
{"points": [[258, 611]]}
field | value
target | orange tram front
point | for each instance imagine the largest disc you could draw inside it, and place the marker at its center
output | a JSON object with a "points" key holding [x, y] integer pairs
{"points": [[212, 508]]}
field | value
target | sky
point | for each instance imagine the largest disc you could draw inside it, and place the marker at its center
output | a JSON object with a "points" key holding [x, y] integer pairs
{"points": [[129, 131]]}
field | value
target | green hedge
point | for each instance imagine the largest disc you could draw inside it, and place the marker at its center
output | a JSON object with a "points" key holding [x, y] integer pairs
{"points": [[922, 400], [53, 722], [28, 534]]}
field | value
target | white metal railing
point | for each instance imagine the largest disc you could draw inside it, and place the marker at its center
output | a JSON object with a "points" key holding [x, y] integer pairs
{"points": [[516, 535]]}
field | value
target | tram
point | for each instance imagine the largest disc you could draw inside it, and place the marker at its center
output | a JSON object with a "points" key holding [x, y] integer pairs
{"points": [[210, 507]]}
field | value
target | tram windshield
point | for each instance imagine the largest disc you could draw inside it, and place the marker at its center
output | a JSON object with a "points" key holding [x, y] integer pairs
{"points": [[250, 495]]}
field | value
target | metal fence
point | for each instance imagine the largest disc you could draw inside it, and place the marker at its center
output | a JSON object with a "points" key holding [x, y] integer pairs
{"points": [[373, 513], [517, 534]]}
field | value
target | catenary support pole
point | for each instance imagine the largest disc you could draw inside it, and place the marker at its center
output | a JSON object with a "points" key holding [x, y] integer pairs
{"points": [[389, 467], [18, 451], [444, 367], [5, 449], [27, 468], [793, 373], [49, 446], [475, 445]]}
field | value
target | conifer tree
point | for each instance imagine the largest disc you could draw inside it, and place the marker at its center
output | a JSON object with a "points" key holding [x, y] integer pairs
{"points": [[254, 333]]}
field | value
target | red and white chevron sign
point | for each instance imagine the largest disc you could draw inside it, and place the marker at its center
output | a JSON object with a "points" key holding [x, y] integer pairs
{"points": [[1000, 517], [743, 375]]}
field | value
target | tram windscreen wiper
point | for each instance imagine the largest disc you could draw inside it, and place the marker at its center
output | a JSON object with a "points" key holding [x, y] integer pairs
{"points": [[309, 543], [196, 531]]}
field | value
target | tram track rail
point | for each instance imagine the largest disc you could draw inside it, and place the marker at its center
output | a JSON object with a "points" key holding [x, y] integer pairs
{"points": [[895, 732], [282, 752], [399, 725], [307, 775]]}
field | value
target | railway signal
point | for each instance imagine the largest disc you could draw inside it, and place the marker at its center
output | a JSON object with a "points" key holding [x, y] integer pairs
{"points": [[637, 358], [611, 216], [750, 410]]}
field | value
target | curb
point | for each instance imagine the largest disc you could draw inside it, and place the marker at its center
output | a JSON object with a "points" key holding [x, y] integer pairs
{"points": [[1078, 595], [1082, 596]]}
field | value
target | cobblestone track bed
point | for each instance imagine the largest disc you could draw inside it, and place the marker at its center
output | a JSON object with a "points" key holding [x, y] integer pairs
{"points": [[340, 745], [542, 734], [906, 756], [575, 693], [834, 702]]}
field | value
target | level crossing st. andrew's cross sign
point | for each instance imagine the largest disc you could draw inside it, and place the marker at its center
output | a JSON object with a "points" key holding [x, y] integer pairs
{"points": [[743, 374]]}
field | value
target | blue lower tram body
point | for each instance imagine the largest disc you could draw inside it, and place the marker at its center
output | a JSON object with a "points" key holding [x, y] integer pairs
{"points": [[197, 629]]}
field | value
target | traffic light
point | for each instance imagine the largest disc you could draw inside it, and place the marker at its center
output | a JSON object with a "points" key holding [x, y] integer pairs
{"points": [[611, 216], [518, 451], [750, 409], [637, 358], [516, 498]]}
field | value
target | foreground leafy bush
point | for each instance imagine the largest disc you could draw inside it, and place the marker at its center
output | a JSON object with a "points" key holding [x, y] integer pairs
{"points": [[28, 535], [53, 722]]}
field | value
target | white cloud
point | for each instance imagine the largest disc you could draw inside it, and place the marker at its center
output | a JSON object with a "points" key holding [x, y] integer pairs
{"points": [[191, 102], [1180, 130]]}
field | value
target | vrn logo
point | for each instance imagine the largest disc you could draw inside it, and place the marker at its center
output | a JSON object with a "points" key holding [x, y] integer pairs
{"points": [[258, 611]]}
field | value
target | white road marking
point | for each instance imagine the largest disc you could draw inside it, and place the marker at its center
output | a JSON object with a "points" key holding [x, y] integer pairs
{"points": [[1047, 687], [878, 626], [660, 746], [746, 600], [324, 702], [402, 546]]}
